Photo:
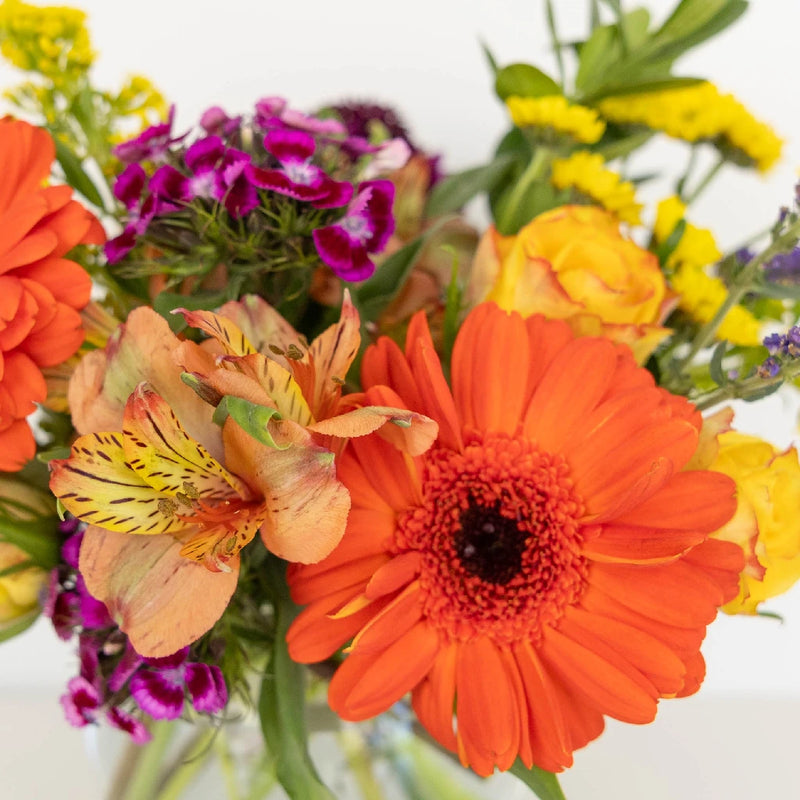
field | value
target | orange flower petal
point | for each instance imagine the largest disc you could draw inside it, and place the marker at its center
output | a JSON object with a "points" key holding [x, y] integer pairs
{"points": [[434, 697], [17, 446], [392, 622], [596, 673], [161, 600], [487, 732], [366, 685]]}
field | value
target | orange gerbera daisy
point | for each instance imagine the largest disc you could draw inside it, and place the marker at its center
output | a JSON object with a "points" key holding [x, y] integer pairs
{"points": [[40, 291], [545, 563]]}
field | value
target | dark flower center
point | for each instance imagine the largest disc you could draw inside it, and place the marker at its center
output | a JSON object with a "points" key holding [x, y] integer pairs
{"points": [[489, 545]]}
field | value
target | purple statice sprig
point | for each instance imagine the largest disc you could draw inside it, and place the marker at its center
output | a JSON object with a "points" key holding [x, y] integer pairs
{"points": [[783, 348]]}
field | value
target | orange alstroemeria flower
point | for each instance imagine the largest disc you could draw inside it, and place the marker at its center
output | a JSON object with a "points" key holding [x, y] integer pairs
{"points": [[41, 292], [171, 496], [544, 564]]}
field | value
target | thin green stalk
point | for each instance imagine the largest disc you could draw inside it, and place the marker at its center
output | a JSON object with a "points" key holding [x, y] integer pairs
{"points": [[743, 389], [743, 284], [557, 45], [681, 185], [191, 760], [536, 166], [705, 181], [227, 765], [360, 763], [147, 769]]}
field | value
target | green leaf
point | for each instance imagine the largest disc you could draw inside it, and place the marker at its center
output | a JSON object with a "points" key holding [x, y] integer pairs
{"points": [[760, 394], [715, 365], [667, 247], [692, 22], [611, 147], [455, 191], [36, 537], [490, 59], [596, 53], [251, 418], [12, 629], [524, 80], [544, 784], [281, 705], [372, 296], [640, 85], [75, 175]]}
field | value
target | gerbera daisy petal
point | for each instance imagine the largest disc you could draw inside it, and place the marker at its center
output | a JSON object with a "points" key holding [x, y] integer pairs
{"points": [[497, 540], [487, 732], [433, 699], [549, 737], [566, 395], [367, 684], [611, 685]]}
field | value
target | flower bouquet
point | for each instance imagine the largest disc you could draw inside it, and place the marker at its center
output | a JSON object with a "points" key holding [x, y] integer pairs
{"points": [[286, 434]]}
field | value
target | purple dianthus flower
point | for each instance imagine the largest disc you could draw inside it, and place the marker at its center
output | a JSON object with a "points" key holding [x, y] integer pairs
{"points": [[365, 228]]}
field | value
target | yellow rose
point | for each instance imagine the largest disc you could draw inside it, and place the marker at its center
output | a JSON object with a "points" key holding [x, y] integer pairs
{"points": [[766, 524], [573, 263], [19, 591]]}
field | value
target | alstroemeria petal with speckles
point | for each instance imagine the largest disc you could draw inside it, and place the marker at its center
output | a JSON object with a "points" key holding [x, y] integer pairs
{"points": [[97, 485], [226, 332], [160, 451]]}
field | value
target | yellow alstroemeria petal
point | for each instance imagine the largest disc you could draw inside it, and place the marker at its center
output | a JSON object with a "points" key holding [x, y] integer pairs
{"points": [[97, 485], [215, 546], [160, 451]]}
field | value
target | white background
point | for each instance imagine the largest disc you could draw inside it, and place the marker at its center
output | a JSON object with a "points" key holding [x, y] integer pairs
{"points": [[738, 738]]}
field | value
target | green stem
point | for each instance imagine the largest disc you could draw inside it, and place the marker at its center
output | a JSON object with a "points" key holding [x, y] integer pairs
{"points": [[741, 390], [508, 221], [145, 767], [191, 760], [360, 764], [681, 185], [706, 180], [743, 284], [227, 765], [557, 45]]}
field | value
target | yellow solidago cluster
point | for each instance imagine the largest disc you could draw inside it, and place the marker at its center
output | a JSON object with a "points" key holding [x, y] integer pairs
{"points": [[700, 294], [700, 113], [141, 99], [553, 114], [52, 41], [584, 172]]}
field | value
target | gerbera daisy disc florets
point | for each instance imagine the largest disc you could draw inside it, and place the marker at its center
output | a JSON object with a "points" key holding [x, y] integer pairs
{"points": [[544, 564]]}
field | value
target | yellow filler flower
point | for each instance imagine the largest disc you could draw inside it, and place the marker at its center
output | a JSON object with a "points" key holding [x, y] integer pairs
{"points": [[553, 114]]}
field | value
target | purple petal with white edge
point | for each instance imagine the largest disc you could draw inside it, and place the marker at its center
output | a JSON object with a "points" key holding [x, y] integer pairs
{"points": [[335, 194], [268, 107], [278, 181], [156, 695], [123, 721], [128, 664], [80, 702], [390, 156], [304, 122], [206, 687], [168, 184], [288, 146], [346, 256], [129, 184], [204, 154], [117, 248], [241, 198], [173, 661], [380, 198]]}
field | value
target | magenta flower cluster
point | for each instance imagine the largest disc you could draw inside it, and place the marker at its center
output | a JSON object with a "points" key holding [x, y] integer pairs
{"points": [[288, 155], [112, 673]]}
